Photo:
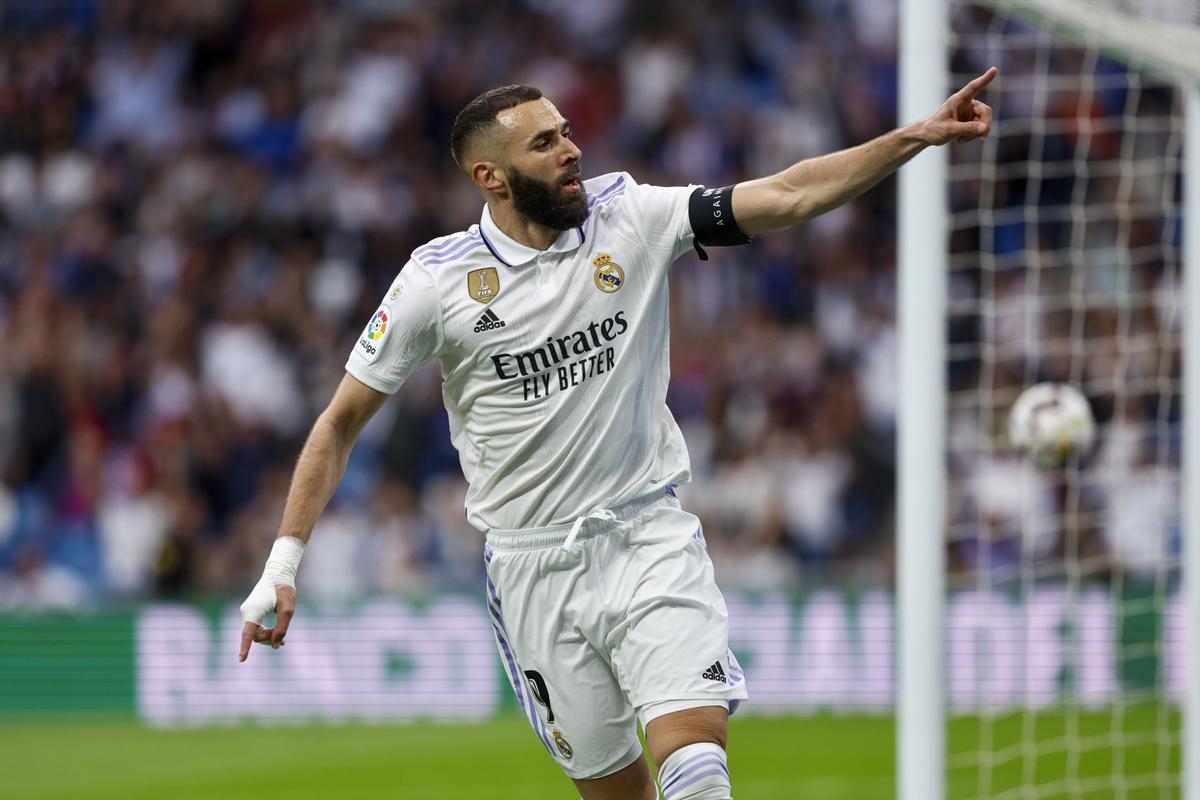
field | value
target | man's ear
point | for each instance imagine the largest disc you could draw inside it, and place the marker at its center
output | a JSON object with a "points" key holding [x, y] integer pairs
{"points": [[489, 176]]}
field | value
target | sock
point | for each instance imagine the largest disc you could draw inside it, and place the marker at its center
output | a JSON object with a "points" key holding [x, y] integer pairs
{"points": [[695, 772]]}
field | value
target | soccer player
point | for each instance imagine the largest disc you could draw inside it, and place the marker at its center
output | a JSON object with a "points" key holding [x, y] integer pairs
{"points": [[550, 322]]}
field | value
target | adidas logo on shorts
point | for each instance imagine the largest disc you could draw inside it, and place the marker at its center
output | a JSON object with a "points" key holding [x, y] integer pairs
{"points": [[488, 321], [714, 673]]}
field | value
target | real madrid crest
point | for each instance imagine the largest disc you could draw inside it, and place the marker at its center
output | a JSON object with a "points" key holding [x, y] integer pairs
{"points": [[609, 276], [483, 284], [563, 745]]}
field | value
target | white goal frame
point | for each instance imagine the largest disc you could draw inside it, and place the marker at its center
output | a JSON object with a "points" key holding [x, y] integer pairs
{"points": [[921, 315]]}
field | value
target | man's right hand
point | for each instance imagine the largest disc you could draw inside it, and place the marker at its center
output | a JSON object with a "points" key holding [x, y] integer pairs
{"points": [[275, 591], [264, 599], [318, 471]]}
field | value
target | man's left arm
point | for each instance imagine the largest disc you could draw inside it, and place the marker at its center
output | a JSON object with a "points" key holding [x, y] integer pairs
{"points": [[811, 187]]}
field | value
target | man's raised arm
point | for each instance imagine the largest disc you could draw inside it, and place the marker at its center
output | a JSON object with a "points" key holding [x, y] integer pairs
{"points": [[811, 187], [318, 473]]}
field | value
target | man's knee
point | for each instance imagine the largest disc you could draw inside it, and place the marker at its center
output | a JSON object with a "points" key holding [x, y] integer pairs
{"points": [[670, 732], [689, 747]]}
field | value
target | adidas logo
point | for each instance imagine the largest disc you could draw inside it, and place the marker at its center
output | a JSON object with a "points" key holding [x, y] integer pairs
{"points": [[488, 321], [714, 673]]}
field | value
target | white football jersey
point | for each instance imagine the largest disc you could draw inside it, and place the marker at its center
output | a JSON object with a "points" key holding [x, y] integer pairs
{"points": [[555, 363]]}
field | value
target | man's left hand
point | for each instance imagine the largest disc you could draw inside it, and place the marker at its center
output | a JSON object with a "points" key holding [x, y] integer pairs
{"points": [[962, 117]]}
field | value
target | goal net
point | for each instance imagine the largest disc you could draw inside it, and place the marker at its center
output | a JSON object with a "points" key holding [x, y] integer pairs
{"points": [[1064, 617]]}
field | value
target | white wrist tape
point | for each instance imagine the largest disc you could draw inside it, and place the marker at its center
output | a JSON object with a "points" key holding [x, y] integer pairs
{"points": [[280, 571]]}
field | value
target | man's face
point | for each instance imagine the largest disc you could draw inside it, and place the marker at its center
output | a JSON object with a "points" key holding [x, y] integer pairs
{"points": [[543, 166]]}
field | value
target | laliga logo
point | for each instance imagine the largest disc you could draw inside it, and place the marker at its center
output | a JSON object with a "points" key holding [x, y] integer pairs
{"points": [[609, 276], [378, 325], [376, 329]]}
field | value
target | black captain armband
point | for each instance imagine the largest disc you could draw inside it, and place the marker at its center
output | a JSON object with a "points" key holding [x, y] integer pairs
{"points": [[711, 215]]}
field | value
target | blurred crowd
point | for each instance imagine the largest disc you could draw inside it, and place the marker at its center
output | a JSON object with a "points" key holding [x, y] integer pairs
{"points": [[202, 203]]}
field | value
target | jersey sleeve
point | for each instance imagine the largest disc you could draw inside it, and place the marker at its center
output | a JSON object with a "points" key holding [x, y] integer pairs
{"points": [[662, 212], [403, 335]]}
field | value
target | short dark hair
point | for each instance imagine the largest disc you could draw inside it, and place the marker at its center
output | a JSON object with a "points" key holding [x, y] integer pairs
{"points": [[479, 115]]}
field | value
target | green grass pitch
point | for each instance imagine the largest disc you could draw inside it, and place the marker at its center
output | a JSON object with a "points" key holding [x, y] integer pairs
{"points": [[786, 758]]}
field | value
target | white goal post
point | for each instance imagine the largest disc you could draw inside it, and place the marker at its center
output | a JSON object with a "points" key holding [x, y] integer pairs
{"points": [[920, 467], [1162, 36], [1191, 431]]}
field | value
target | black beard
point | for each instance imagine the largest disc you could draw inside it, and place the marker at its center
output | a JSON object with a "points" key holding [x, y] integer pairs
{"points": [[545, 203]]}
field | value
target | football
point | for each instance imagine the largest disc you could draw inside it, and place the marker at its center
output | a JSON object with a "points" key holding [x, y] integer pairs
{"points": [[1052, 424]]}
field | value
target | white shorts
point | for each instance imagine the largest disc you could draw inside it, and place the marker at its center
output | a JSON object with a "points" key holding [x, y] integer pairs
{"points": [[625, 624]]}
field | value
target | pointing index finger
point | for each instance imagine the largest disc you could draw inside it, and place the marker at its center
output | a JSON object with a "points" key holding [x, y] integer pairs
{"points": [[972, 88]]}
